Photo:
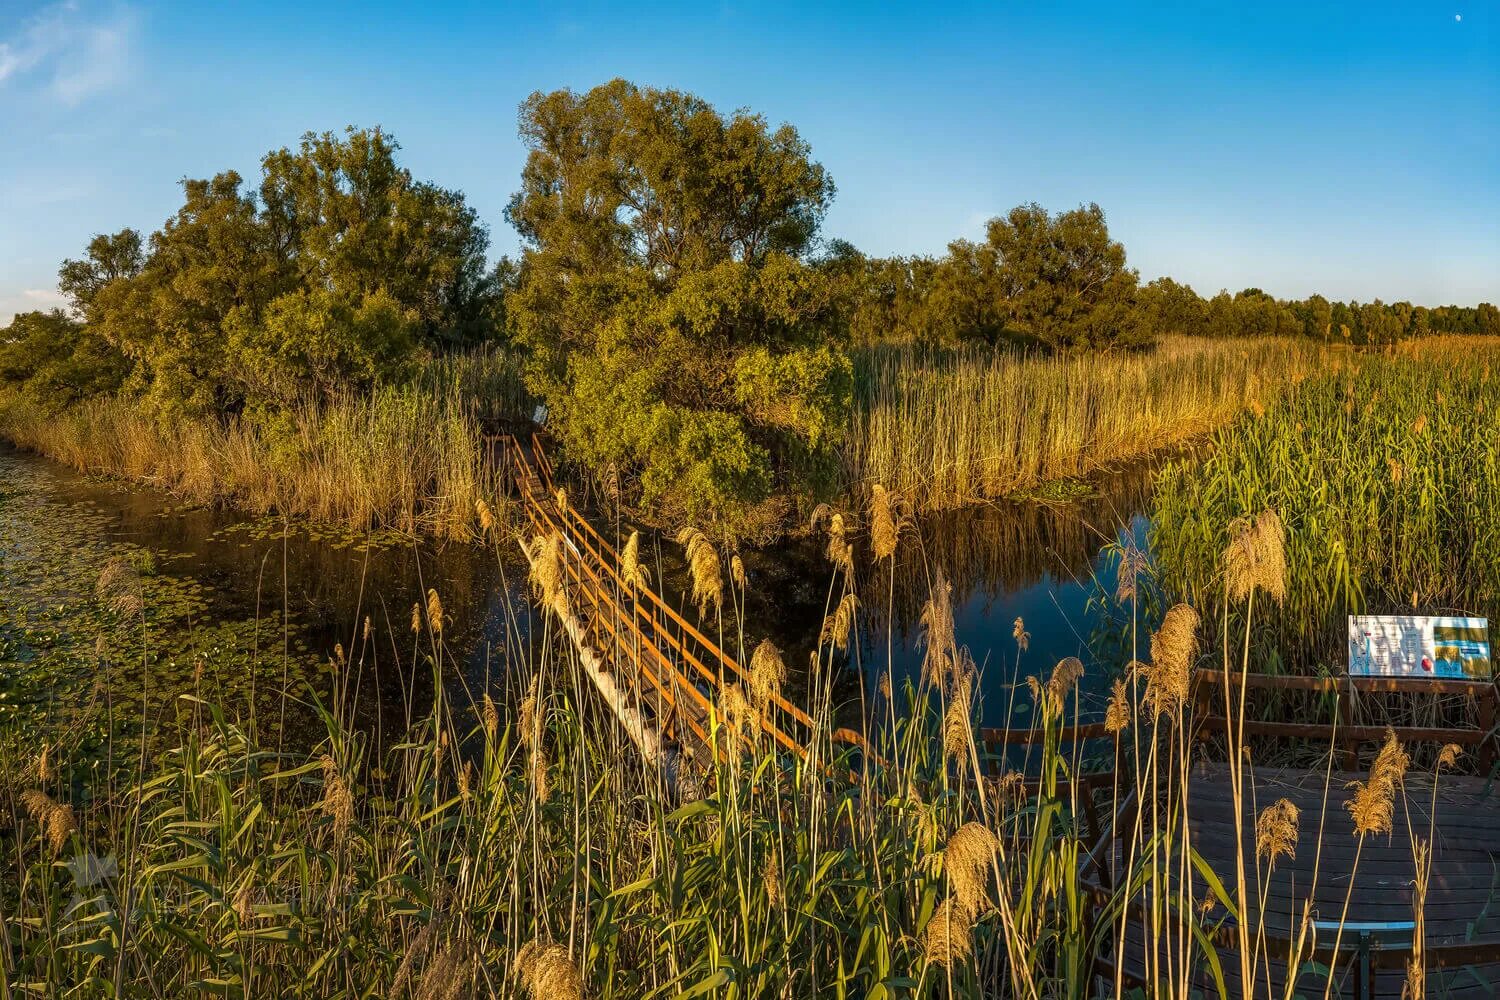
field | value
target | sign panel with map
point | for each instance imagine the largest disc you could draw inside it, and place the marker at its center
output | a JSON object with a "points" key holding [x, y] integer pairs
{"points": [[1418, 646]]}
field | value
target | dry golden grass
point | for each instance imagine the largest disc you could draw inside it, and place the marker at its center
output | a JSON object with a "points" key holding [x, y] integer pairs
{"points": [[949, 429]]}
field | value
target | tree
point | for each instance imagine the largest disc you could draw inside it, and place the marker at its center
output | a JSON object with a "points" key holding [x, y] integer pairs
{"points": [[1062, 277], [107, 259], [677, 328], [57, 360], [324, 279]]}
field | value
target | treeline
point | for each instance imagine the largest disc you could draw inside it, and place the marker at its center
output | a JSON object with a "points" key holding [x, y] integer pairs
{"points": [[1050, 294], [678, 312]]}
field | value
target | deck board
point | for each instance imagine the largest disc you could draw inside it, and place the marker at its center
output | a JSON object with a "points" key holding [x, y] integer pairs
{"points": [[1463, 899]]}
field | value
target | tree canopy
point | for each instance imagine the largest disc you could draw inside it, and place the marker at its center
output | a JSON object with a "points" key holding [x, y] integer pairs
{"points": [[676, 328]]}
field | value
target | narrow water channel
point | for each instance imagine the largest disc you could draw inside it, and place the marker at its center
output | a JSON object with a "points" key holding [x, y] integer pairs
{"points": [[240, 606]]}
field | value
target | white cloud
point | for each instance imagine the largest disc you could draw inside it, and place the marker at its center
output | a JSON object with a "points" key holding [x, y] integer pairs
{"points": [[28, 300], [71, 53]]}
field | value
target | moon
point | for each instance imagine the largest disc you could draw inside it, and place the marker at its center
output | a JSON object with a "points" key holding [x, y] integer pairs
{"points": [[1458, 17]]}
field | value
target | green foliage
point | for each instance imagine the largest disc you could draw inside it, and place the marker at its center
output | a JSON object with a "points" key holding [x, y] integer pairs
{"points": [[327, 278], [57, 360], [664, 244], [1387, 480]]}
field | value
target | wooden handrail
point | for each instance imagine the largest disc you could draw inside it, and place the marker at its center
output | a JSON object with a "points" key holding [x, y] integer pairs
{"points": [[591, 561]]}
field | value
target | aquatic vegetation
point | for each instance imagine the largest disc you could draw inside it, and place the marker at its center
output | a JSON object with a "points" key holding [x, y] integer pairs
{"points": [[945, 429], [1384, 480]]}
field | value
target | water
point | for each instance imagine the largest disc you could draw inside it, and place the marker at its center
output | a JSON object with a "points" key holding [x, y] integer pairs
{"points": [[243, 606]]}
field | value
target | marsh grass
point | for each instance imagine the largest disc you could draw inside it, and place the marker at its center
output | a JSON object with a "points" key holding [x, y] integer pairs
{"points": [[953, 428], [531, 853], [409, 457], [1387, 478]]}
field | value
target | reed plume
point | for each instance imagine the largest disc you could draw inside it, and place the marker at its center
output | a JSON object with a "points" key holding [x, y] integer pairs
{"points": [[967, 861], [837, 626], [737, 571], [485, 515], [956, 720], [1117, 712], [547, 973], [1276, 832], [119, 588], [547, 573], [636, 577], [1256, 557], [704, 568], [491, 716], [770, 879], [1065, 674], [1018, 632], [938, 631], [338, 799], [55, 818], [1133, 563], [739, 714], [541, 785], [435, 611], [1372, 804], [416, 618], [46, 770], [886, 524], [1173, 649], [948, 939], [767, 673]]}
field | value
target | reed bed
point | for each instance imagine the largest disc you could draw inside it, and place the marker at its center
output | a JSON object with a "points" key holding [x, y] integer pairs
{"points": [[519, 847], [954, 428], [410, 457], [1386, 476]]}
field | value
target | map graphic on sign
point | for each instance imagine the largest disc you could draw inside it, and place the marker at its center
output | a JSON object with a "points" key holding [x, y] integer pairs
{"points": [[1419, 646]]}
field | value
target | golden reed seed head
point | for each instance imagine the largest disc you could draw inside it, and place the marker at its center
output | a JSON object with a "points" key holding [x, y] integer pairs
{"points": [[705, 570], [948, 939], [1018, 632], [956, 724], [1448, 756], [541, 786], [119, 587], [485, 515], [636, 577], [739, 715], [46, 770], [1133, 564], [1117, 713], [737, 571], [1372, 804], [547, 574], [435, 611], [885, 524], [883, 685], [55, 818], [938, 631], [416, 618], [1173, 649], [338, 799], [1256, 557], [491, 716], [837, 626], [770, 879], [1276, 832], [967, 860], [1065, 675], [767, 673], [547, 973], [561, 496]]}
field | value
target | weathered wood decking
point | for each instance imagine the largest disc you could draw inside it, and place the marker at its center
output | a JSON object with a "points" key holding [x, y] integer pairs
{"points": [[1462, 909]]}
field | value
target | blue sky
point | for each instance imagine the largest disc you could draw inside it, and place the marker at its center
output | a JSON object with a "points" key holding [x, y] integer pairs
{"points": [[1351, 149]]}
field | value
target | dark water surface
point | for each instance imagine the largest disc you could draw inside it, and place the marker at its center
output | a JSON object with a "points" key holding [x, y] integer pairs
{"points": [[218, 585]]}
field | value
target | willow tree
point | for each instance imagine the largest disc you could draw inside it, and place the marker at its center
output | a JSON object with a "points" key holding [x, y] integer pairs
{"points": [[677, 329]]}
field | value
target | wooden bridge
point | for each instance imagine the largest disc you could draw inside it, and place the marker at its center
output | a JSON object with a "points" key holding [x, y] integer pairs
{"points": [[665, 682], [664, 679]]}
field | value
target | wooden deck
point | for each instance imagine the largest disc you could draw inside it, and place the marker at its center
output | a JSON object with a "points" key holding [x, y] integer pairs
{"points": [[1462, 911]]}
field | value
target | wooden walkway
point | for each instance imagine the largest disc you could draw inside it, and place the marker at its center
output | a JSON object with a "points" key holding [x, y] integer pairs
{"points": [[1462, 909], [666, 676]]}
